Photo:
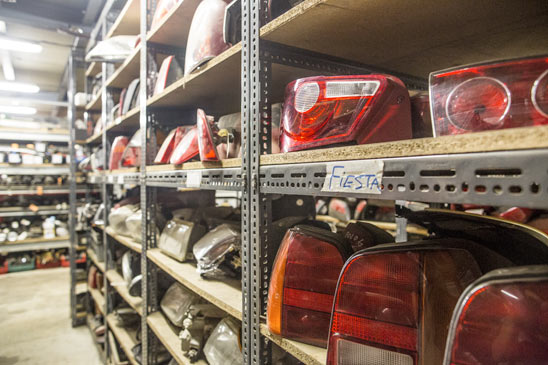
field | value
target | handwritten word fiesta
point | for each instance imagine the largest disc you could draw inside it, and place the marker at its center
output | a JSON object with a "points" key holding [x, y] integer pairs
{"points": [[338, 179]]}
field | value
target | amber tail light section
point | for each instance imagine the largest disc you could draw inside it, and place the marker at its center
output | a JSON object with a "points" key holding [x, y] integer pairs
{"points": [[502, 319], [490, 96], [303, 282], [393, 303]]}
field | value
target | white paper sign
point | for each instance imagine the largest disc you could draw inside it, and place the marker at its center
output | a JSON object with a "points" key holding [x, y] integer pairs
{"points": [[363, 177], [121, 179], [193, 179]]}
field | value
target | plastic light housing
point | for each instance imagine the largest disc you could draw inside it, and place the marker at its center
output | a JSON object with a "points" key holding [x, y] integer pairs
{"points": [[170, 71], [166, 149], [223, 345], [178, 237], [393, 303], [205, 38], [187, 148], [321, 111], [303, 282], [118, 147], [132, 154], [207, 147], [489, 96], [162, 9], [502, 319]]}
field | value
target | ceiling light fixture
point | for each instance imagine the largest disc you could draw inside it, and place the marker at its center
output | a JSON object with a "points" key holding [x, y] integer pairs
{"points": [[19, 87], [16, 45], [22, 110]]}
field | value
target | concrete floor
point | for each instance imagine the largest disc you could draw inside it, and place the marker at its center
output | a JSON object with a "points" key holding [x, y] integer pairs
{"points": [[35, 325]]}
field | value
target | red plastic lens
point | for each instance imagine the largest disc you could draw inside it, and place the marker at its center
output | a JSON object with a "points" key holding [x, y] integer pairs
{"points": [[490, 96], [303, 283], [162, 8], [396, 306], [161, 80], [208, 150], [187, 147], [540, 94], [481, 102], [118, 147], [501, 322], [320, 111], [172, 140]]}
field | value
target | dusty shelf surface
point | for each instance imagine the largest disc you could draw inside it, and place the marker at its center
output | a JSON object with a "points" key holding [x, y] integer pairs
{"points": [[118, 283]]}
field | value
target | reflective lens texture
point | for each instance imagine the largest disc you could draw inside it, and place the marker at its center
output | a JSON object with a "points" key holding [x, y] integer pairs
{"points": [[490, 96]]}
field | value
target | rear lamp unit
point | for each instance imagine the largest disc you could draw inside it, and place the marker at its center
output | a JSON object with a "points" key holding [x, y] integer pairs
{"points": [[393, 303], [162, 9], [132, 154], [320, 111], [205, 38], [502, 319], [490, 96], [303, 282], [206, 144], [170, 71], [166, 149], [187, 148], [118, 147]]}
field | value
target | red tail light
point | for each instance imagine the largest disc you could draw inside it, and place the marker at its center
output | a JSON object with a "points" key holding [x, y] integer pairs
{"points": [[132, 154], [172, 140], [320, 111], [393, 303], [490, 96], [118, 147], [208, 150], [303, 283], [170, 71], [502, 319], [517, 214], [162, 8], [187, 147]]}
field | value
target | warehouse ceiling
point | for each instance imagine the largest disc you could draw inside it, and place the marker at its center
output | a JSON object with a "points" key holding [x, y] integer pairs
{"points": [[56, 25]]}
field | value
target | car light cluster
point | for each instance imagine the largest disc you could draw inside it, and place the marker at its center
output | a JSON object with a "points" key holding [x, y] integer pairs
{"points": [[410, 303]]}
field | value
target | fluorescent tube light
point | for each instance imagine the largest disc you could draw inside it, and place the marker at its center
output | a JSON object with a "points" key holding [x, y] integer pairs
{"points": [[15, 45], [23, 110], [19, 87]]}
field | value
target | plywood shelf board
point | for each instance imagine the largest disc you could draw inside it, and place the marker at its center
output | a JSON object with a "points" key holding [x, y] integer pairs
{"points": [[231, 162], [174, 28], [414, 37], [126, 338], [308, 354], [128, 21], [95, 103], [93, 69], [91, 254], [215, 87], [169, 336], [36, 240], [225, 294], [98, 298], [126, 241], [127, 123], [118, 283], [502, 140], [127, 71]]}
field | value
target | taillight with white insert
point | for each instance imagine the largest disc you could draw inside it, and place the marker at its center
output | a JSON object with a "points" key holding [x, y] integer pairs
{"points": [[393, 303], [171, 141], [303, 282], [320, 111], [502, 319], [187, 147], [163, 7], [170, 71], [490, 96]]}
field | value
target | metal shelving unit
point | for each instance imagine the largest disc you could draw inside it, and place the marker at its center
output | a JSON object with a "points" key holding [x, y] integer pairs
{"points": [[502, 168]]}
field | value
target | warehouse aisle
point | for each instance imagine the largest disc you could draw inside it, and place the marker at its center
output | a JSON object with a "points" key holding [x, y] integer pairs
{"points": [[35, 321]]}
